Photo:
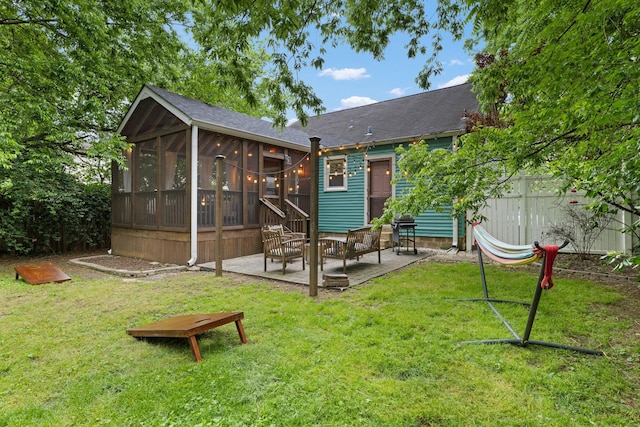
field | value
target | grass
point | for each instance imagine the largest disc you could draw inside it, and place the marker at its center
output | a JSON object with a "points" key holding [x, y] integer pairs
{"points": [[382, 354]]}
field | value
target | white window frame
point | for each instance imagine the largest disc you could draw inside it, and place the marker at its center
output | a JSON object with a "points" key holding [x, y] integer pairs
{"points": [[327, 181]]}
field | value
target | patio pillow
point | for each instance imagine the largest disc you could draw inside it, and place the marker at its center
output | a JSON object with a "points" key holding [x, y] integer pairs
{"points": [[368, 238], [279, 228]]}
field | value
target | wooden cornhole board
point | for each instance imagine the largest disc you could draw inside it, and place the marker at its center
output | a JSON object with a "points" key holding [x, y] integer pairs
{"points": [[37, 274], [188, 326]]}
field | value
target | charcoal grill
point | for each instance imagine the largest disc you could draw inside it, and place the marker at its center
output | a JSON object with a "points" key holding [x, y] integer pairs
{"points": [[404, 231]]}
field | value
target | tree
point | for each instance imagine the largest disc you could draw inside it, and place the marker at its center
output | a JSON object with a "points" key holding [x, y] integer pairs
{"points": [[557, 82], [70, 68]]}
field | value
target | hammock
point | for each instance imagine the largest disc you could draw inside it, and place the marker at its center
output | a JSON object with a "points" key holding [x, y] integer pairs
{"points": [[508, 254]]}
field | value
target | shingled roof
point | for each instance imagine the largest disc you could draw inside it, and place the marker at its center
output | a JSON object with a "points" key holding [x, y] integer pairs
{"points": [[218, 119], [423, 115], [408, 118]]}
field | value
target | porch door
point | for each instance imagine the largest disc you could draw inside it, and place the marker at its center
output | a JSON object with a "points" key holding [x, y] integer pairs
{"points": [[379, 186], [272, 179]]}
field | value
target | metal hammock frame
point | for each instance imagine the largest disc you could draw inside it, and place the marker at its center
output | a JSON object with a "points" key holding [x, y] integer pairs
{"points": [[505, 253]]}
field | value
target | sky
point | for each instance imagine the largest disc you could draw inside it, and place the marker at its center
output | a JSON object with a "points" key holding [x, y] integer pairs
{"points": [[349, 79]]}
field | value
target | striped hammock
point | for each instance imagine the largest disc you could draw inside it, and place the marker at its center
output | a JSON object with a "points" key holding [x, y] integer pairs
{"points": [[504, 253]]}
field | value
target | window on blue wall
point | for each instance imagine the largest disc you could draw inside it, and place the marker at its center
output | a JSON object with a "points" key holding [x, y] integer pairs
{"points": [[335, 173]]}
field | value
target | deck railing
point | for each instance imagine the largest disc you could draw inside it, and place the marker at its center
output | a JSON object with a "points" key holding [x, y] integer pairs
{"points": [[173, 209], [270, 214], [302, 201], [231, 208], [297, 220], [121, 209], [145, 209]]}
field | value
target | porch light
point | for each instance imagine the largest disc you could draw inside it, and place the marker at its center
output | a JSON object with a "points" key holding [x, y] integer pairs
{"points": [[203, 201], [387, 171]]}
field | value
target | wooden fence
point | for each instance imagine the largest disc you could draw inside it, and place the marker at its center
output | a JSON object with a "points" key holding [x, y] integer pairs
{"points": [[527, 212]]}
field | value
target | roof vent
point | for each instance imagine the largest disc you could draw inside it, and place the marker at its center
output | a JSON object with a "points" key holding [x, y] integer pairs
{"points": [[369, 131]]}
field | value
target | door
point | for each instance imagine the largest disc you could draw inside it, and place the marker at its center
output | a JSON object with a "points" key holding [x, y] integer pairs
{"points": [[379, 186]]}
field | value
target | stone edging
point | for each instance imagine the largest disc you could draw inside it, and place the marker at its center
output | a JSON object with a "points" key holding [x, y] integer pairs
{"points": [[125, 273]]}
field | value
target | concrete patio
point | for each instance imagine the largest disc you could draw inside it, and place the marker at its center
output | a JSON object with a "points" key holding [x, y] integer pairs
{"points": [[358, 272]]}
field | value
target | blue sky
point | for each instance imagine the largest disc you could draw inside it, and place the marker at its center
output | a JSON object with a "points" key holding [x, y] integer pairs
{"points": [[349, 79]]}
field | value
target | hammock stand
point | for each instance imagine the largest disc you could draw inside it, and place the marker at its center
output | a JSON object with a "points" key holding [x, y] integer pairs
{"points": [[505, 253]]}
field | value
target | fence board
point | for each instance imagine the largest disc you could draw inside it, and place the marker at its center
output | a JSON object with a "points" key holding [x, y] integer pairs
{"points": [[526, 213]]}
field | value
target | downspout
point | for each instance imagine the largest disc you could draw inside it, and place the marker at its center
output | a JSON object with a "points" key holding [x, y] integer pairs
{"points": [[194, 196], [454, 243]]}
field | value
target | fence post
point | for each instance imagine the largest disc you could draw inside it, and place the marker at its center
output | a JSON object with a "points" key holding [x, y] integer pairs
{"points": [[523, 219]]}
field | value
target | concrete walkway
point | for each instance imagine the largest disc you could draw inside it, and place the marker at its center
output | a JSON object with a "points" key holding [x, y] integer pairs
{"points": [[358, 272]]}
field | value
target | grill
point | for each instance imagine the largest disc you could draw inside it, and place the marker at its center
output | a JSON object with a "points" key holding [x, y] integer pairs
{"points": [[404, 231]]}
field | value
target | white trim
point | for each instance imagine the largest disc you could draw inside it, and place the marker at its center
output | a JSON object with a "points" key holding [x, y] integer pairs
{"points": [[345, 184], [194, 196], [375, 157]]}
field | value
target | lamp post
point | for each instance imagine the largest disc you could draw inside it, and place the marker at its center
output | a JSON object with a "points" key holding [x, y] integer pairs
{"points": [[219, 214], [313, 233]]}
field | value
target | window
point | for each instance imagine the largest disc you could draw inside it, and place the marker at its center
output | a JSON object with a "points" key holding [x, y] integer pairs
{"points": [[335, 177]]}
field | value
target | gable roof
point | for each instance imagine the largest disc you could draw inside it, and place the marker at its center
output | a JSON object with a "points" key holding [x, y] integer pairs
{"points": [[210, 117], [409, 118]]}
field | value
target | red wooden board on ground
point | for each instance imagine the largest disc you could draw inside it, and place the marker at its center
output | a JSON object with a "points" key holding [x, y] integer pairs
{"points": [[37, 274], [188, 326]]}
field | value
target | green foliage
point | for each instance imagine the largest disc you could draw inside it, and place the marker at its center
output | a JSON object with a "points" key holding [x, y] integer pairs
{"points": [[558, 86], [384, 354], [46, 210]]}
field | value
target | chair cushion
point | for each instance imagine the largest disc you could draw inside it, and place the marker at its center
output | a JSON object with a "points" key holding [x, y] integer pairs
{"points": [[288, 252]]}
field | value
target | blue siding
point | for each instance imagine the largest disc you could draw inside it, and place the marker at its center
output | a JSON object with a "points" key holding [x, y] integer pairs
{"points": [[340, 211], [431, 223]]}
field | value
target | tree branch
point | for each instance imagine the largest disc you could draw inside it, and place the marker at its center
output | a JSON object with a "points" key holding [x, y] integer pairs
{"points": [[15, 21]]}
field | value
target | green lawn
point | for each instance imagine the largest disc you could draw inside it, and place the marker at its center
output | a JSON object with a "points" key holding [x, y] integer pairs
{"points": [[382, 354]]}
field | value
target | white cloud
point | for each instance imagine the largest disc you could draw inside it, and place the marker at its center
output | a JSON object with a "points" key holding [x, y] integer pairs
{"points": [[291, 121], [355, 101], [458, 80], [398, 91], [345, 73], [456, 62]]}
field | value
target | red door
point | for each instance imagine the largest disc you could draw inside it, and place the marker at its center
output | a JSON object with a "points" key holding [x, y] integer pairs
{"points": [[379, 186]]}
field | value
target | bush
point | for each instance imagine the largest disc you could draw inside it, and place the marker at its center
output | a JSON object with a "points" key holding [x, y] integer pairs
{"points": [[581, 227], [52, 213]]}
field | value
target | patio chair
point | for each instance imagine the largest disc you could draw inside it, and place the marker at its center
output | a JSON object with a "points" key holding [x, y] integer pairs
{"points": [[285, 232], [277, 246]]}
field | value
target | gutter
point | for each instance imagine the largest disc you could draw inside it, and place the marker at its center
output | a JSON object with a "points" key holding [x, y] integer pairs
{"points": [[194, 196]]}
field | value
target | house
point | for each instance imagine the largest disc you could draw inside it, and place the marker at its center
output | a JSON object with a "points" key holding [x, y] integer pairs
{"points": [[359, 160], [163, 196]]}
